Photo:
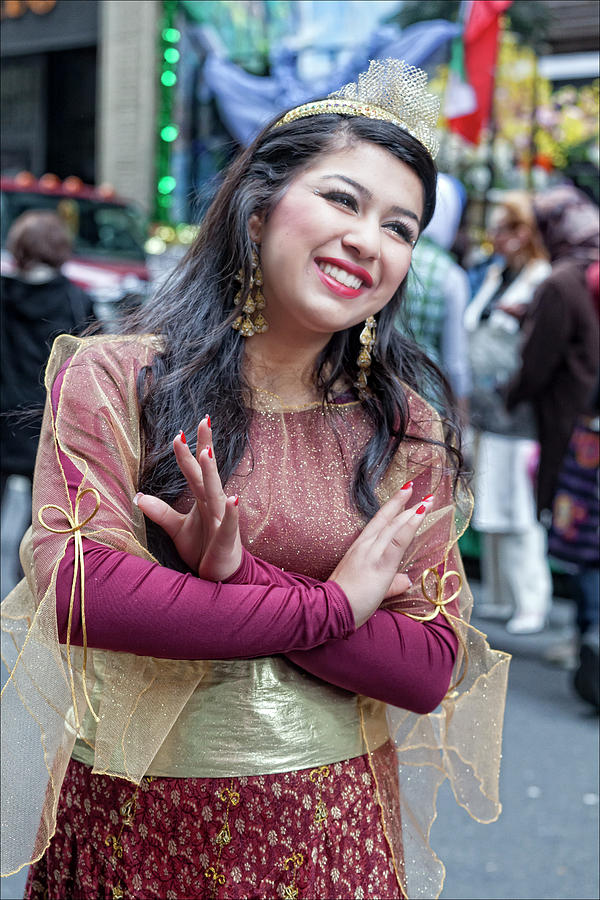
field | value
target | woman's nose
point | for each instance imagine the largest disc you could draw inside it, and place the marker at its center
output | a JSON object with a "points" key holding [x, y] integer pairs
{"points": [[364, 238]]}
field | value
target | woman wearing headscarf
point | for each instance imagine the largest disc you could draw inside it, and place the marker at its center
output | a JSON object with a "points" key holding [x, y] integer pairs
{"points": [[560, 358], [560, 376]]}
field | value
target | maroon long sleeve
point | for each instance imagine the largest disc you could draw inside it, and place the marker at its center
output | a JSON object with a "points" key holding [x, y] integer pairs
{"points": [[391, 657], [141, 607]]}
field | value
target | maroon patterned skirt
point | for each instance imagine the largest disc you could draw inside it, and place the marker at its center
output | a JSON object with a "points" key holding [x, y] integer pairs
{"points": [[312, 833]]}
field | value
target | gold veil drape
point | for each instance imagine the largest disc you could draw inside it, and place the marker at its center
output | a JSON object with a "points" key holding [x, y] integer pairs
{"points": [[138, 699]]}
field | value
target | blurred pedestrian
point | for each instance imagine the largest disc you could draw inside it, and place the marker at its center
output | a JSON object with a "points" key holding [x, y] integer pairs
{"points": [[438, 292], [574, 537], [239, 690], [514, 567], [560, 352], [37, 303]]}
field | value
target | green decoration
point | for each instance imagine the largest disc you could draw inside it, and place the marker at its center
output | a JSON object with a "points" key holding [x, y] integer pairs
{"points": [[166, 184], [167, 132]]}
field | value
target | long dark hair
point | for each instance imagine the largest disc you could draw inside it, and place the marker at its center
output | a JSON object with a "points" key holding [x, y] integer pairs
{"points": [[200, 369]]}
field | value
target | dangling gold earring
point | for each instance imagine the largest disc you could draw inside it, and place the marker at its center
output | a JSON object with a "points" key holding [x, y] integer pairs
{"points": [[254, 302], [367, 340]]}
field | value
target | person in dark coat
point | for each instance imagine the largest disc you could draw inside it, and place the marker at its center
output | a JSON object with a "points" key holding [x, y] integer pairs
{"points": [[37, 303], [559, 376], [573, 537], [560, 354]]}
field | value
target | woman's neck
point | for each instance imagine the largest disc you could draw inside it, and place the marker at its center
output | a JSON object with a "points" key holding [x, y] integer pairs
{"points": [[282, 369]]}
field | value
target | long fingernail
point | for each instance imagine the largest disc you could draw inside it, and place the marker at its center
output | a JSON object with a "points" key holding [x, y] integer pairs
{"points": [[236, 501], [208, 421], [427, 498], [182, 437], [422, 508], [406, 486], [136, 498], [210, 453]]}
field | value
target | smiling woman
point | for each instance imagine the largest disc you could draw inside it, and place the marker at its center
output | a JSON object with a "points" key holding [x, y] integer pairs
{"points": [[234, 670]]}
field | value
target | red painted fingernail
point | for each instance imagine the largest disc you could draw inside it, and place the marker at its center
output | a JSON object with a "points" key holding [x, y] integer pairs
{"points": [[406, 486], [208, 421], [428, 497], [210, 453], [421, 510], [236, 501], [182, 436]]}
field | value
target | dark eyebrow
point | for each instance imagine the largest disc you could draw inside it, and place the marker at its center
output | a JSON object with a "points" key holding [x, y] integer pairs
{"points": [[366, 193]]}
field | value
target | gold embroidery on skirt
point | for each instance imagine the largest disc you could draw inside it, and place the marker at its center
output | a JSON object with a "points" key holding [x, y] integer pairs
{"points": [[222, 839], [321, 812], [128, 811], [290, 891]]}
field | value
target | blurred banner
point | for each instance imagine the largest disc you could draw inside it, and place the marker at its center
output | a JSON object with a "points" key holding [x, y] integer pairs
{"points": [[240, 64]]}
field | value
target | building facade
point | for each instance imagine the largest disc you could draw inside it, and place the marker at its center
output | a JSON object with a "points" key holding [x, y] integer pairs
{"points": [[78, 91]]}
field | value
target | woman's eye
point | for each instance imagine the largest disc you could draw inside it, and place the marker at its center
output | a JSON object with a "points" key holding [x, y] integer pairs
{"points": [[403, 231], [343, 199]]}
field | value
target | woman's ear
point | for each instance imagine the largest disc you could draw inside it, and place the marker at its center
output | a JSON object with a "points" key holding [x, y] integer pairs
{"points": [[255, 224]]}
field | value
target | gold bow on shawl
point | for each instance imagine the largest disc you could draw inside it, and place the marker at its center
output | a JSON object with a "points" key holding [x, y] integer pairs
{"points": [[438, 601], [74, 529], [439, 606]]}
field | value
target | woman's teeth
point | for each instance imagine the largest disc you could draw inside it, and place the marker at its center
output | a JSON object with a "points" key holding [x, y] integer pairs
{"points": [[345, 278]]}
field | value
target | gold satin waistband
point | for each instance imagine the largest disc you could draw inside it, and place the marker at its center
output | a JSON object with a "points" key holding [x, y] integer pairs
{"points": [[258, 717]]}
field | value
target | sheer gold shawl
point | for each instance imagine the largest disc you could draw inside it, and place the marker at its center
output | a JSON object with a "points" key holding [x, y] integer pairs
{"points": [[46, 698]]}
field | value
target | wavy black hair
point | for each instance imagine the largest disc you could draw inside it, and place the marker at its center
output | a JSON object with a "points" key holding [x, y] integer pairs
{"points": [[200, 368]]}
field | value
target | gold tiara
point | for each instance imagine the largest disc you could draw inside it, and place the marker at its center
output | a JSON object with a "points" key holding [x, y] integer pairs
{"points": [[390, 90]]}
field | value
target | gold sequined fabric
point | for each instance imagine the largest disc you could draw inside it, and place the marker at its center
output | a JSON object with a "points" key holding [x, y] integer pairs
{"points": [[293, 483]]}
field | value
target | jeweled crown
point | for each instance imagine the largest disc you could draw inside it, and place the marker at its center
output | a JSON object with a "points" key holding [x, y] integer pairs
{"points": [[389, 90]]}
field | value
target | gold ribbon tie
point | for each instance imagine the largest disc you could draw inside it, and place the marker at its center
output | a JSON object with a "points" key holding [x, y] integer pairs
{"points": [[74, 529]]}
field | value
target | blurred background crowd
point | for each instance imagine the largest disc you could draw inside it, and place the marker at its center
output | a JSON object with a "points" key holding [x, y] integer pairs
{"points": [[117, 121]]}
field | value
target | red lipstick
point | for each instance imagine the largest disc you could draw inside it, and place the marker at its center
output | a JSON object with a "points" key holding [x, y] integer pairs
{"points": [[350, 267]]}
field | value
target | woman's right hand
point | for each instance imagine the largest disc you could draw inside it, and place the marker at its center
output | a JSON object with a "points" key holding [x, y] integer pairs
{"points": [[207, 537], [368, 571]]}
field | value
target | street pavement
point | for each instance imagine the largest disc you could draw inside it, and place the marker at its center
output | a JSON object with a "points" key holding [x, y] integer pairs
{"points": [[545, 844]]}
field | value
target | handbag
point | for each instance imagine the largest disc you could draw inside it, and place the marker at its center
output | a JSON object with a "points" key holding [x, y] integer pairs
{"points": [[574, 532]]}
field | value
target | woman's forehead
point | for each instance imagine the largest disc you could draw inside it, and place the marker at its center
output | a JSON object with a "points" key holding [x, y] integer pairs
{"points": [[353, 153]]}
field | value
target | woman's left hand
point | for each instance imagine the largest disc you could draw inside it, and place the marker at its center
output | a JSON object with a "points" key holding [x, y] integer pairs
{"points": [[207, 538]]}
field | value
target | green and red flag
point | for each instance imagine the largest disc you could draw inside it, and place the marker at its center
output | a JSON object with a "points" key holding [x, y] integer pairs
{"points": [[468, 101]]}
